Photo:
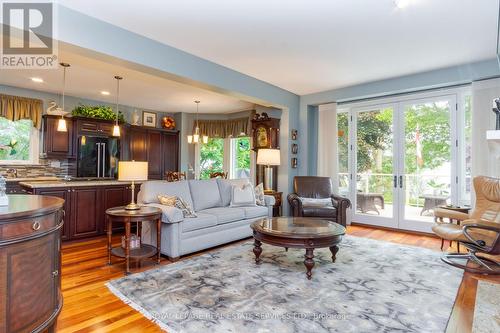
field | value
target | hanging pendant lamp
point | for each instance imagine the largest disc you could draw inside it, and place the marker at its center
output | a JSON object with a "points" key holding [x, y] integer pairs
{"points": [[116, 128], [61, 124], [195, 137]]}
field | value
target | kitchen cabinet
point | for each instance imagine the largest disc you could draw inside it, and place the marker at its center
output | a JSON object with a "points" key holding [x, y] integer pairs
{"points": [[158, 147], [85, 207], [64, 194], [57, 144]]}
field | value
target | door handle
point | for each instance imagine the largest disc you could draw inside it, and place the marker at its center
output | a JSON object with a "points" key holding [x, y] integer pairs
{"points": [[98, 159], [400, 181], [103, 148], [395, 181]]}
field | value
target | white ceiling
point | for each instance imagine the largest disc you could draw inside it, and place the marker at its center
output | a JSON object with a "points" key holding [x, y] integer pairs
{"points": [[86, 78], [307, 46]]}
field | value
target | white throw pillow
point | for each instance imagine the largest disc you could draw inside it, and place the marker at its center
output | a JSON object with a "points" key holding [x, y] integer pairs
{"points": [[317, 203], [259, 195], [242, 195]]}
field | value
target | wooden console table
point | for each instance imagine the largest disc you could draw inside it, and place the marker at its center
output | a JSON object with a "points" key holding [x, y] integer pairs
{"points": [[120, 215]]}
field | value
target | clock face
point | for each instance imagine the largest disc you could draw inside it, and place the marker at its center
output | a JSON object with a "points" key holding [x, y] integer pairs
{"points": [[262, 140]]}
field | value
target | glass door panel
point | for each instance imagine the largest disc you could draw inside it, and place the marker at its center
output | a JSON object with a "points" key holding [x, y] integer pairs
{"points": [[425, 180], [343, 153], [375, 171]]}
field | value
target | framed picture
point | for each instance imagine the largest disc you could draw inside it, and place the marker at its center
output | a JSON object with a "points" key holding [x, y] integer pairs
{"points": [[294, 162], [294, 134], [295, 148], [148, 119]]}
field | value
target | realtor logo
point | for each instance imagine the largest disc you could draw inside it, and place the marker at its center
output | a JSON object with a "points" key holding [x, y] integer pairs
{"points": [[28, 35]]}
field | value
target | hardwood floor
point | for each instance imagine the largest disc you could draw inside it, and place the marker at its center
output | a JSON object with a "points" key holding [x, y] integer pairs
{"points": [[90, 307]]}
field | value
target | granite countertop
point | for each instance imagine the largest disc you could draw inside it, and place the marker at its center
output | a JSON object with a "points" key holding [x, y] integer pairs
{"points": [[29, 179], [73, 183]]}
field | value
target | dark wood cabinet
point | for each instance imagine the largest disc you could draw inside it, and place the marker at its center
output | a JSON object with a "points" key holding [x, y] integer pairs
{"points": [[158, 147], [85, 217], [85, 207], [57, 144], [155, 151], [138, 144], [30, 281], [170, 151], [64, 194]]}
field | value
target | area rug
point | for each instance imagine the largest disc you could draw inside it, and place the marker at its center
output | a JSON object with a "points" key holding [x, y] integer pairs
{"points": [[487, 309], [373, 286]]}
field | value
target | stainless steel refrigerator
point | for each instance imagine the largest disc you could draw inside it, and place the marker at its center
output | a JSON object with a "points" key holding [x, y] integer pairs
{"points": [[98, 157]]}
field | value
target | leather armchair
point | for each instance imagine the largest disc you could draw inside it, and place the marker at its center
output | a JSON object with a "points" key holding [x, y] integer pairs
{"points": [[317, 188], [480, 233]]}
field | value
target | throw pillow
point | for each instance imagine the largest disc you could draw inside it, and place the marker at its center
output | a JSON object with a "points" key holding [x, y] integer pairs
{"points": [[177, 202], [242, 195], [259, 195], [317, 203]]}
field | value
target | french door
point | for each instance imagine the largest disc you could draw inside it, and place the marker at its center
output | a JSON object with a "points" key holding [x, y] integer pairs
{"points": [[403, 161]]}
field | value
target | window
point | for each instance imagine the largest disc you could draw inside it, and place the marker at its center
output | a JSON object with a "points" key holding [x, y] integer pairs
{"points": [[465, 193], [240, 158], [18, 142], [211, 157], [231, 155]]}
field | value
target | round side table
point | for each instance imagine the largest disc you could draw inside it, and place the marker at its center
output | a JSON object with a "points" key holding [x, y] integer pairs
{"points": [[121, 215]]}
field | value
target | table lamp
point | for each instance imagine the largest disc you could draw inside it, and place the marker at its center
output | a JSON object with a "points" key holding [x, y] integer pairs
{"points": [[268, 157], [132, 171]]}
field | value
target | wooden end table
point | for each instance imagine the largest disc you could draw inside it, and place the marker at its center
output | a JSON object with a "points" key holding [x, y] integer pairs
{"points": [[297, 232], [121, 215]]}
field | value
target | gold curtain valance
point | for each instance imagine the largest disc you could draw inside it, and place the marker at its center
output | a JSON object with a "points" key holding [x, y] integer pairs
{"points": [[16, 108], [224, 128]]}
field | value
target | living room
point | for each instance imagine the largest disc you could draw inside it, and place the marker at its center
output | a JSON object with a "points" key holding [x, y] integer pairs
{"points": [[301, 166]]}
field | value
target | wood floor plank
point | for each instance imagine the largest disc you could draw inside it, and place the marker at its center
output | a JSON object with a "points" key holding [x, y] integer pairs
{"points": [[90, 307]]}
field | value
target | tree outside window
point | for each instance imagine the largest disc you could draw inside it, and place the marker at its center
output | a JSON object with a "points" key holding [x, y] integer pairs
{"points": [[15, 139], [211, 157]]}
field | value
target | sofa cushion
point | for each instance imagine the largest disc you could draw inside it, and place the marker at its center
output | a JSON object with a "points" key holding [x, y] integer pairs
{"points": [[225, 214], [177, 202], [200, 222], [255, 211], [151, 189], [205, 194], [225, 186], [328, 212]]}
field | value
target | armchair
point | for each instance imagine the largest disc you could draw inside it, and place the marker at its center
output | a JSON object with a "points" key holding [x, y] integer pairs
{"points": [[480, 233], [309, 187]]}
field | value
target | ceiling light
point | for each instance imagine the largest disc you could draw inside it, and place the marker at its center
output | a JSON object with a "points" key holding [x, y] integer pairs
{"points": [[105, 92], [37, 79], [402, 3], [116, 128], [61, 125]]}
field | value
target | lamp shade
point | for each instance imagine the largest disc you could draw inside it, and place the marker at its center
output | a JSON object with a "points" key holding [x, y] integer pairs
{"points": [[268, 157], [132, 171]]}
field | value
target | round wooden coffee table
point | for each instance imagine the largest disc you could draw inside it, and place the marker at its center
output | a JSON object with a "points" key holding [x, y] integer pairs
{"points": [[297, 232]]}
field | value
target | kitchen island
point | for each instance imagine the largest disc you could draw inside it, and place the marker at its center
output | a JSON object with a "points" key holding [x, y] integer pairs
{"points": [[85, 203]]}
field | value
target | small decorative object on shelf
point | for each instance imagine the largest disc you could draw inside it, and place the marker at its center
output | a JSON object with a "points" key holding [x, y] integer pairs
{"points": [[135, 117], [295, 148], [294, 162], [294, 134], [4, 199], [168, 122], [134, 242], [496, 111], [148, 119]]}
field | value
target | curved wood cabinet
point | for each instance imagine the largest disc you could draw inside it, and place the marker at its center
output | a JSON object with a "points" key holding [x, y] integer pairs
{"points": [[30, 261]]}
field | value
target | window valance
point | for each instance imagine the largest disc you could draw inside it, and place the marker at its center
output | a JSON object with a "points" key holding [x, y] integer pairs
{"points": [[16, 108], [224, 128]]}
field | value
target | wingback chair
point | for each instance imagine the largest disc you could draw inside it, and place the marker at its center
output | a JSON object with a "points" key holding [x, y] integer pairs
{"points": [[480, 233], [309, 187]]}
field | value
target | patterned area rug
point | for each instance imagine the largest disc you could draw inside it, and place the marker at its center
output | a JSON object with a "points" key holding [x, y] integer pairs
{"points": [[487, 309], [374, 286]]}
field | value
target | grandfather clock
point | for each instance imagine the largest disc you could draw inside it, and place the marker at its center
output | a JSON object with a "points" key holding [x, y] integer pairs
{"points": [[265, 134]]}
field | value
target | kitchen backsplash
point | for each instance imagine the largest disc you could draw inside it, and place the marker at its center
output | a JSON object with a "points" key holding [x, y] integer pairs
{"points": [[46, 168]]}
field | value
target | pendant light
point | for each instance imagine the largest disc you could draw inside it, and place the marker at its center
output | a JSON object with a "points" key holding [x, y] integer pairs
{"points": [[195, 137], [61, 124], [116, 128]]}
